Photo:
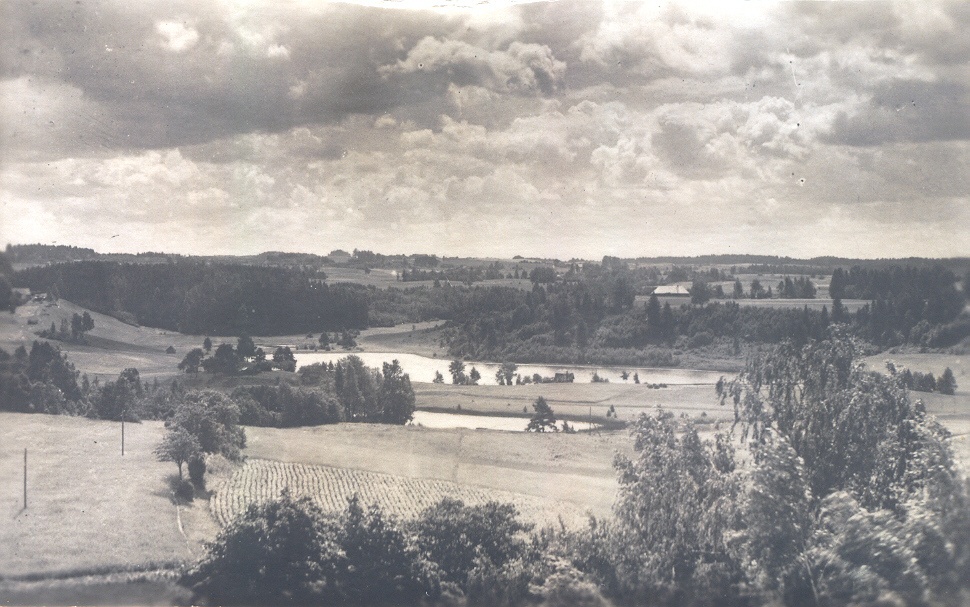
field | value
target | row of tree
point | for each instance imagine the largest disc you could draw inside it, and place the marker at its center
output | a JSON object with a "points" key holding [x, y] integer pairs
{"points": [[925, 382], [73, 331], [44, 381]]}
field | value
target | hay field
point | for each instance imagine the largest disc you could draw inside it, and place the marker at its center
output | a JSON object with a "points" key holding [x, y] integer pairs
{"points": [[261, 480], [576, 469], [112, 345]]}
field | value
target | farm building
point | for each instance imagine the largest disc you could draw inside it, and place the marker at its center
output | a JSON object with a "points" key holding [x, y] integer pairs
{"points": [[671, 291]]}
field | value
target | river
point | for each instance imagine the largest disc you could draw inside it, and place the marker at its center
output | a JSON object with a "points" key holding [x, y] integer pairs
{"points": [[422, 369]]}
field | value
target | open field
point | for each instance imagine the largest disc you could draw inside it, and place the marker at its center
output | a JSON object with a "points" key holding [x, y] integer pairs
{"points": [[145, 589], [88, 508], [575, 469], [111, 347], [572, 401], [259, 480], [386, 279]]}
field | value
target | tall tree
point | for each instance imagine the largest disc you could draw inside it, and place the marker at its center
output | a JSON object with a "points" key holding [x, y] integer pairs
{"points": [[178, 446], [213, 419], [457, 370], [396, 395], [544, 419]]}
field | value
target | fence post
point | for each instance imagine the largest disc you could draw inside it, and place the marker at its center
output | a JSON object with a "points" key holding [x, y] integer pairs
{"points": [[25, 479]]}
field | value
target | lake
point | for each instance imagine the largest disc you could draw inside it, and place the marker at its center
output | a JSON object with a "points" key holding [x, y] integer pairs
{"points": [[433, 419], [422, 369]]}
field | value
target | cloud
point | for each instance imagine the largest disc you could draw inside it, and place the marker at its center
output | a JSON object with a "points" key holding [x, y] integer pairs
{"points": [[177, 36], [566, 128], [521, 68], [906, 110]]}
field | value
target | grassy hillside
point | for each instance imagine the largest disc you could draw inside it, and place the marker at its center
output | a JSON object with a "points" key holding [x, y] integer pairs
{"points": [[575, 469], [88, 508]]}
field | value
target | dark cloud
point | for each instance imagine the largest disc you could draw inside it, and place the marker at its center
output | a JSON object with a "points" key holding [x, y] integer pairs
{"points": [[794, 124], [906, 110]]}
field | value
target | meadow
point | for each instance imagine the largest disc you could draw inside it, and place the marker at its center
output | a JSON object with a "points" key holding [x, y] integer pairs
{"points": [[89, 509]]}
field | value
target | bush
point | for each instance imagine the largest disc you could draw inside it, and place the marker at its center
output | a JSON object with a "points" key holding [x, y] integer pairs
{"points": [[197, 469], [184, 490], [700, 340]]}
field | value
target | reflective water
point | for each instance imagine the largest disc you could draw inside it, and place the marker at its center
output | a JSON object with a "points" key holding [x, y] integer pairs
{"points": [[432, 419], [422, 369]]}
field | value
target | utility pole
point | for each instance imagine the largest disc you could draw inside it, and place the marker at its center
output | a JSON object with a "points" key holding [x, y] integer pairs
{"points": [[25, 479]]}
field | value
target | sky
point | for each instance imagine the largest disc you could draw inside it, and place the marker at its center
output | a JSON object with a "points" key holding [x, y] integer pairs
{"points": [[555, 129]]}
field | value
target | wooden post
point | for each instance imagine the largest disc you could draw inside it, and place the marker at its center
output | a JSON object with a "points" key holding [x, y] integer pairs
{"points": [[122, 435], [25, 479]]}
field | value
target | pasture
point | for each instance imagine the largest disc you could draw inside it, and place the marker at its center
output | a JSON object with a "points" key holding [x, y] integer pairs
{"points": [[927, 362], [852, 305], [110, 347], [383, 278], [575, 402], [89, 508]]}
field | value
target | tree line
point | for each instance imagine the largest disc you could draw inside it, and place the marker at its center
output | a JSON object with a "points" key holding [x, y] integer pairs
{"points": [[587, 316], [43, 380], [198, 298]]}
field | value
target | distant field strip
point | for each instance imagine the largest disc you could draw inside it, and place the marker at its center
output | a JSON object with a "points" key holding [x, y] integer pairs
{"points": [[260, 480]]}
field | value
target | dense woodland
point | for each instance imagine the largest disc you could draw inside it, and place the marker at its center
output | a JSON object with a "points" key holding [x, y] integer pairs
{"points": [[199, 298], [587, 315]]}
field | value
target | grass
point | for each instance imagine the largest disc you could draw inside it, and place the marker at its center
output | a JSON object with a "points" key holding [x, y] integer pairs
{"points": [[574, 469], [88, 508], [260, 480], [927, 362], [572, 401], [111, 347], [146, 590]]}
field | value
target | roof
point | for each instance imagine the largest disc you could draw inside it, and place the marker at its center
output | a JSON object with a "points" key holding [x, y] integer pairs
{"points": [[671, 290]]}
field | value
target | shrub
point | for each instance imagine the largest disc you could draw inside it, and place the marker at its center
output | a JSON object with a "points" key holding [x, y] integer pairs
{"points": [[197, 470], [184, 490]]}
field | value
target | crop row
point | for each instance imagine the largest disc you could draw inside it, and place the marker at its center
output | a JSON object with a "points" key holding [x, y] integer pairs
{"points": [[259, 480]]}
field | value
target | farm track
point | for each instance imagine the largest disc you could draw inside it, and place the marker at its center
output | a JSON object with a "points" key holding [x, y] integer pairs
{"points": [[260, 480]]}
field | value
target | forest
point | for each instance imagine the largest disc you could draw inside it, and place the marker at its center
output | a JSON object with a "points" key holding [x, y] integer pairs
{"points": [[587, 315]]}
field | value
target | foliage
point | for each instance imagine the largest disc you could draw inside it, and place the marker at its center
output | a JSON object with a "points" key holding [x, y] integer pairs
{"points": [[199, 298], [213, 419], [282, 552], [459, 537], [283, 406], [855, 430], [674, 520], [544, 419], [197, 468], [395, 395], [287, 551], [192, 361], [178, 446]]}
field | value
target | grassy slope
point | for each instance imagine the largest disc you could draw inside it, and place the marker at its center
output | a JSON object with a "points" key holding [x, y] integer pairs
{"points": [[88, 507], [572, 468], [111, 346]]}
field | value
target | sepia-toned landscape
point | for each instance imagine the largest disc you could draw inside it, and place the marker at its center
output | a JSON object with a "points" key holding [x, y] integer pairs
{"points": [[527, 304]]}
